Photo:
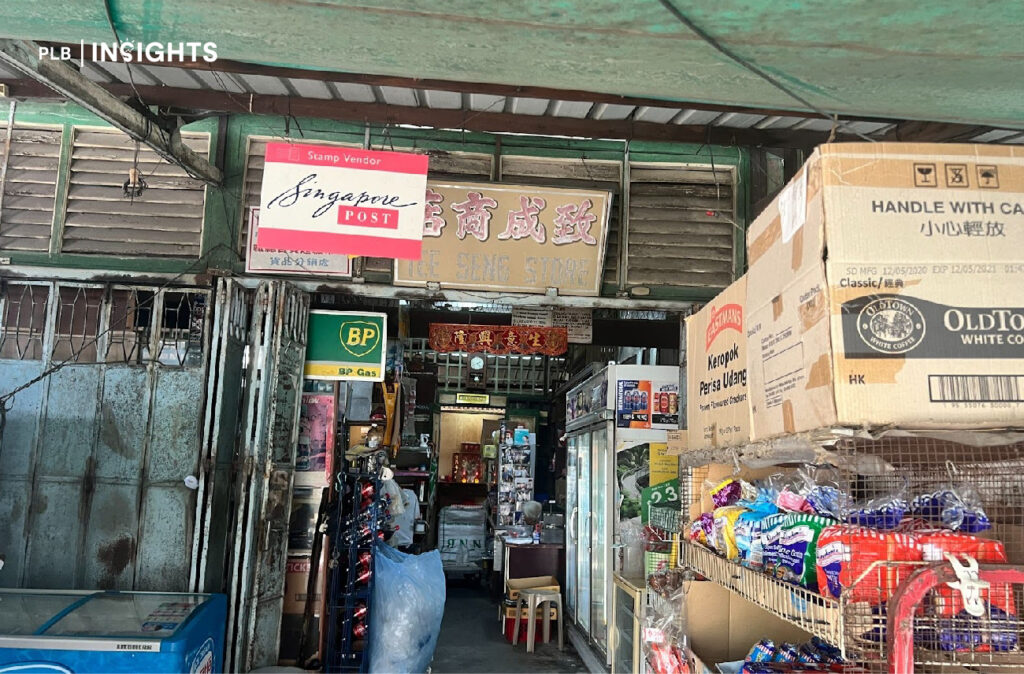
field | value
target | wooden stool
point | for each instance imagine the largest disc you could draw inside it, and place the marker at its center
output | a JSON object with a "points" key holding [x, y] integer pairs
{"points": [[531, 600]]}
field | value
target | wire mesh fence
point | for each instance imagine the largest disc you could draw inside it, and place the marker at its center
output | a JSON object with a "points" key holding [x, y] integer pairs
{"points": [[829, 546]]}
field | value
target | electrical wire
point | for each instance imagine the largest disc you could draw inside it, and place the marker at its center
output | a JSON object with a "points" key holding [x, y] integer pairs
{"points": [[72, 359], [733, 56]]}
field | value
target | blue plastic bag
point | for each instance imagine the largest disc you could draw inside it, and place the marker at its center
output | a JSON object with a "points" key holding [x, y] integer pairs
{"points": [[405, 616]]}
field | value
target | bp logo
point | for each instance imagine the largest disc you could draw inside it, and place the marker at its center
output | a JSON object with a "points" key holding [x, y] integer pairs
{"points": [[891, 325], [359, 338]]}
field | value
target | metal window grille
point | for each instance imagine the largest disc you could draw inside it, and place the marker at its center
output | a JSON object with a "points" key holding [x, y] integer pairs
{"points": [[23, 311], [505, 373], [89, 323]]}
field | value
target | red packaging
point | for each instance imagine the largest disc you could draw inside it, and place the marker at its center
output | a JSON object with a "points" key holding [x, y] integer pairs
{"points": [[946, 600], [847, 551], [512, 624]]}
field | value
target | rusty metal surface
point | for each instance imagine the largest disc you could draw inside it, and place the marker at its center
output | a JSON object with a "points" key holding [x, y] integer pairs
{"points": [[277, 348], [91, 484]]}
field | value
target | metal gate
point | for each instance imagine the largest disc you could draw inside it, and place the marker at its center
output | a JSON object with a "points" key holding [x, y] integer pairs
{"points": [[277, 347], [94, 457], [224, 396]]}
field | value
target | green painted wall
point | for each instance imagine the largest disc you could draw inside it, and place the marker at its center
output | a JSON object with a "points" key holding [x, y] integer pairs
{"points": [[223, 204]]}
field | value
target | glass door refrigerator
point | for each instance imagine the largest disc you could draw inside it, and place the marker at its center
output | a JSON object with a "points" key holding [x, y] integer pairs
{"points": [[622, 409]]}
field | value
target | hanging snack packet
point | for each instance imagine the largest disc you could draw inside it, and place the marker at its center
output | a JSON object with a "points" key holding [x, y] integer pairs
{"points": [[748, 528], [765, 545], [797, 549], [726, 493], [725, 530], [957, 508]]}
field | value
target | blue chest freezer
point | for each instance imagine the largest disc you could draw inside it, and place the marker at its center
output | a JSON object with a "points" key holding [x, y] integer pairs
{"points": [[68, 632]]}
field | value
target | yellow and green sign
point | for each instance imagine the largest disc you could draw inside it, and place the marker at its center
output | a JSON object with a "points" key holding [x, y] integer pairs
{"points": [[346, 345]]}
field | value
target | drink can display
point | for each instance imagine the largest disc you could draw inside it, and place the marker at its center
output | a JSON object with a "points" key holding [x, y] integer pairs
{"points": [[673, 403], [763, 651], [643, 400], [663, 402]]}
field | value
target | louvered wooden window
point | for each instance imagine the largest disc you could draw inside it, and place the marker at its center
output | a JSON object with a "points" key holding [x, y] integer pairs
{"points": [[165, 220], [578, 173], [681, 226], [29, 188]]}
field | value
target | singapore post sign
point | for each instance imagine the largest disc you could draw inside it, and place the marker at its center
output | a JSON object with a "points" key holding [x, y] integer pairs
{"points": [[337, 200]]}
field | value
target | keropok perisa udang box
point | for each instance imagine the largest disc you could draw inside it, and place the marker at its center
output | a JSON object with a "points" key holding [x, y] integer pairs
{"points": [[717, 403], [886, 286]]}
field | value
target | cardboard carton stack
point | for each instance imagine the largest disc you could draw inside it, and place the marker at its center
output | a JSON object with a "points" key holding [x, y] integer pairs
{"points": [[885, 287]]}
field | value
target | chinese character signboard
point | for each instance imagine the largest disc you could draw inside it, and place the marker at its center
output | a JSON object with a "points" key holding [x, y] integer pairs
{"points": [[341, 201], [261, 260], [346, 345], [526, 340], [509, 237]]}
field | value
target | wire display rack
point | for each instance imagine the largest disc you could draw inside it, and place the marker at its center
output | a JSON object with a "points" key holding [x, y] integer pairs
{"points": [[940, 497]]}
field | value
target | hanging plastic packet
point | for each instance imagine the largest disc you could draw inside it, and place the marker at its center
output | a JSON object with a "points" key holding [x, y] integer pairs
{"points": [[726, 492], [725, 530], [955, 508], [748, 528]]}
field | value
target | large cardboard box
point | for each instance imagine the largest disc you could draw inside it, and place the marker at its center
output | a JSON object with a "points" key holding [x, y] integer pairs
{"points": [[513, 586], [296, 581], [717, 400], [886, 286]]}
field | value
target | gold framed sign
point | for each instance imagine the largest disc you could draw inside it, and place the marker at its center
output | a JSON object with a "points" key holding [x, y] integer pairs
{"points": [[517, 238]]}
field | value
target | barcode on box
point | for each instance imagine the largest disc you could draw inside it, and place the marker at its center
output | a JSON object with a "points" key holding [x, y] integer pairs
{"points": [[974, 388]]}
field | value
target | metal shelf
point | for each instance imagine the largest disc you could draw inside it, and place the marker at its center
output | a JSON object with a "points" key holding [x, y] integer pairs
{"points": [[794, 604]]}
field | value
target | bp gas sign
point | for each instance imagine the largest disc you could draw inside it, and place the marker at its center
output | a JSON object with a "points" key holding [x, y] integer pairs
{"points": [[347, 345]]}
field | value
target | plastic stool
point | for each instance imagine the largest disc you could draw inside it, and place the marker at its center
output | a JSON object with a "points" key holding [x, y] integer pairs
{"points": [[531, 600]]}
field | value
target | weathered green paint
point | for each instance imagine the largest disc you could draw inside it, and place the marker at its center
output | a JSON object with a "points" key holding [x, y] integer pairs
{"points": [[61, 195], [223, 205], [943, 60]]}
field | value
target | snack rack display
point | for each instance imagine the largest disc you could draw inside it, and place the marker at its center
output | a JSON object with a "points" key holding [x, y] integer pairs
{"points": [[515, 474], [354, 525], [863, 520]]}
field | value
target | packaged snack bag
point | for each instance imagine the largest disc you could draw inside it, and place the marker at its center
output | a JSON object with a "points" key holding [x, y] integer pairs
{"points": [[748, 529], [846, 552], [766, 545], [725, 530], [797, 549]]}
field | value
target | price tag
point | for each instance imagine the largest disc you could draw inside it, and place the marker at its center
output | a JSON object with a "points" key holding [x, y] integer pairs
{"points": [[653, 635], [659, 494]]}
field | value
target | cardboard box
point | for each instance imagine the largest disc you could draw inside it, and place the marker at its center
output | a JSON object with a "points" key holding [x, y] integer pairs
{"points": [[295, 583], [717, 399], [514, 585], [722, 626], [886, 286]]}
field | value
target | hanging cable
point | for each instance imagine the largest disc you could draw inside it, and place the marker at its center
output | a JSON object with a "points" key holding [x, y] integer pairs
{"points": [[733, 56]]}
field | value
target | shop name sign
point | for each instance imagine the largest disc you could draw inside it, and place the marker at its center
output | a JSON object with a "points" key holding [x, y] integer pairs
{"points": [[508, 237], [259, 260], [342, 201], [346, 345]]}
